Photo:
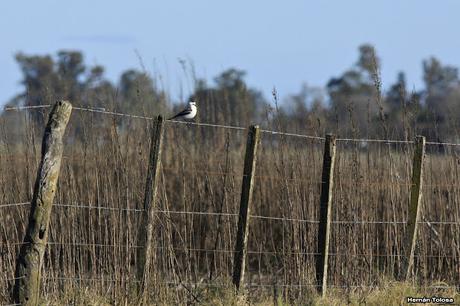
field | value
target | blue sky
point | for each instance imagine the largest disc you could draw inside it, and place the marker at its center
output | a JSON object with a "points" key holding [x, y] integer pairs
{"points": [[278, 43]]}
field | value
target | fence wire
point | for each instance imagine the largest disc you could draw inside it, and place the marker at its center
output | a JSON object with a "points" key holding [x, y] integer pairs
{"points": [[102, 110], [341, 182], [223, 214]]}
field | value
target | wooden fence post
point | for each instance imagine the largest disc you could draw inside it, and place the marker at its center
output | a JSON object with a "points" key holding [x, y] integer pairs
{"points": [[245, 205], [145, 237], [414, 208], [325, 213], [29, 263]]}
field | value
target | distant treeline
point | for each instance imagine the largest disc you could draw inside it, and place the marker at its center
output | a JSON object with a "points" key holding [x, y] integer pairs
{"points": [[352, 104]]}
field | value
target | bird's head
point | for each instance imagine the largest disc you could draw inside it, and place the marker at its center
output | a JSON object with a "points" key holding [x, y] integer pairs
{"points": [[192, 103]]}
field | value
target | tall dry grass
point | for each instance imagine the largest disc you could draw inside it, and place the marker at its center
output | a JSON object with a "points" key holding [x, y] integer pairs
{"points": [[94, 226]]}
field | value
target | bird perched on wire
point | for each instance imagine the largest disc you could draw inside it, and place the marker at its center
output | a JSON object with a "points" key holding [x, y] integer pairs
{"points": [[188, 113]]}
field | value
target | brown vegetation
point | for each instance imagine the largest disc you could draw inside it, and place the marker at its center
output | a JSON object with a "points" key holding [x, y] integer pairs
{"points": [[95, 220]]}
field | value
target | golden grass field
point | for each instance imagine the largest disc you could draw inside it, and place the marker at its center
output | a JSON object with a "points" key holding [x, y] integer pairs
{"points": [[91, 258]]}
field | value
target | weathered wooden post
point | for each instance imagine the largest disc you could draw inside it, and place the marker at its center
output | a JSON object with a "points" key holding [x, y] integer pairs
{"points": [[29, 263], [245, 205], [410, 238], [325, 213], [145, 238]]}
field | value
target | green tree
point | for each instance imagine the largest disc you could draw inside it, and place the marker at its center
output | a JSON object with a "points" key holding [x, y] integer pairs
{"points": [[353, 94], [39, 78], [139, 94], [230, 101], [397, 94], [305, 112], [70, 68], [439, 81], [403, 108], [47, 79]]}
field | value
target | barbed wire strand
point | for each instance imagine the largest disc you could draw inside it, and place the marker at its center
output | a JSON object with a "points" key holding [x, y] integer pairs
{"points": [[387, 141], [19, 108], [198, 213], [102, 245], [88, 279], [104, 111], [14, 204], [360, 222], [292, 134], [13, 243], [283, 219], [100, 207], [390, 255], [77, 206], [206, 213], [441, 143], [440, 222]]}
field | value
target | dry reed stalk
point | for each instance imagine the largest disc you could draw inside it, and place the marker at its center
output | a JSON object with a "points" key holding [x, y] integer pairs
{"points": [[105, 166]]}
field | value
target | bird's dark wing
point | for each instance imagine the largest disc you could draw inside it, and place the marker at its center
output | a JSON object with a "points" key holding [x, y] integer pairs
{"points": [[182, 113]]}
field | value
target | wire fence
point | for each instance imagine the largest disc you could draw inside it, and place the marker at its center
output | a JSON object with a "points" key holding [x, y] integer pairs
{"points": [[113, 113], [290, 223], [198, 213], [221, 214]]}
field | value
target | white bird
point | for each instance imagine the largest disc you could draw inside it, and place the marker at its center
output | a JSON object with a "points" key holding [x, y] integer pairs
{"points": [[188, 113]]}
